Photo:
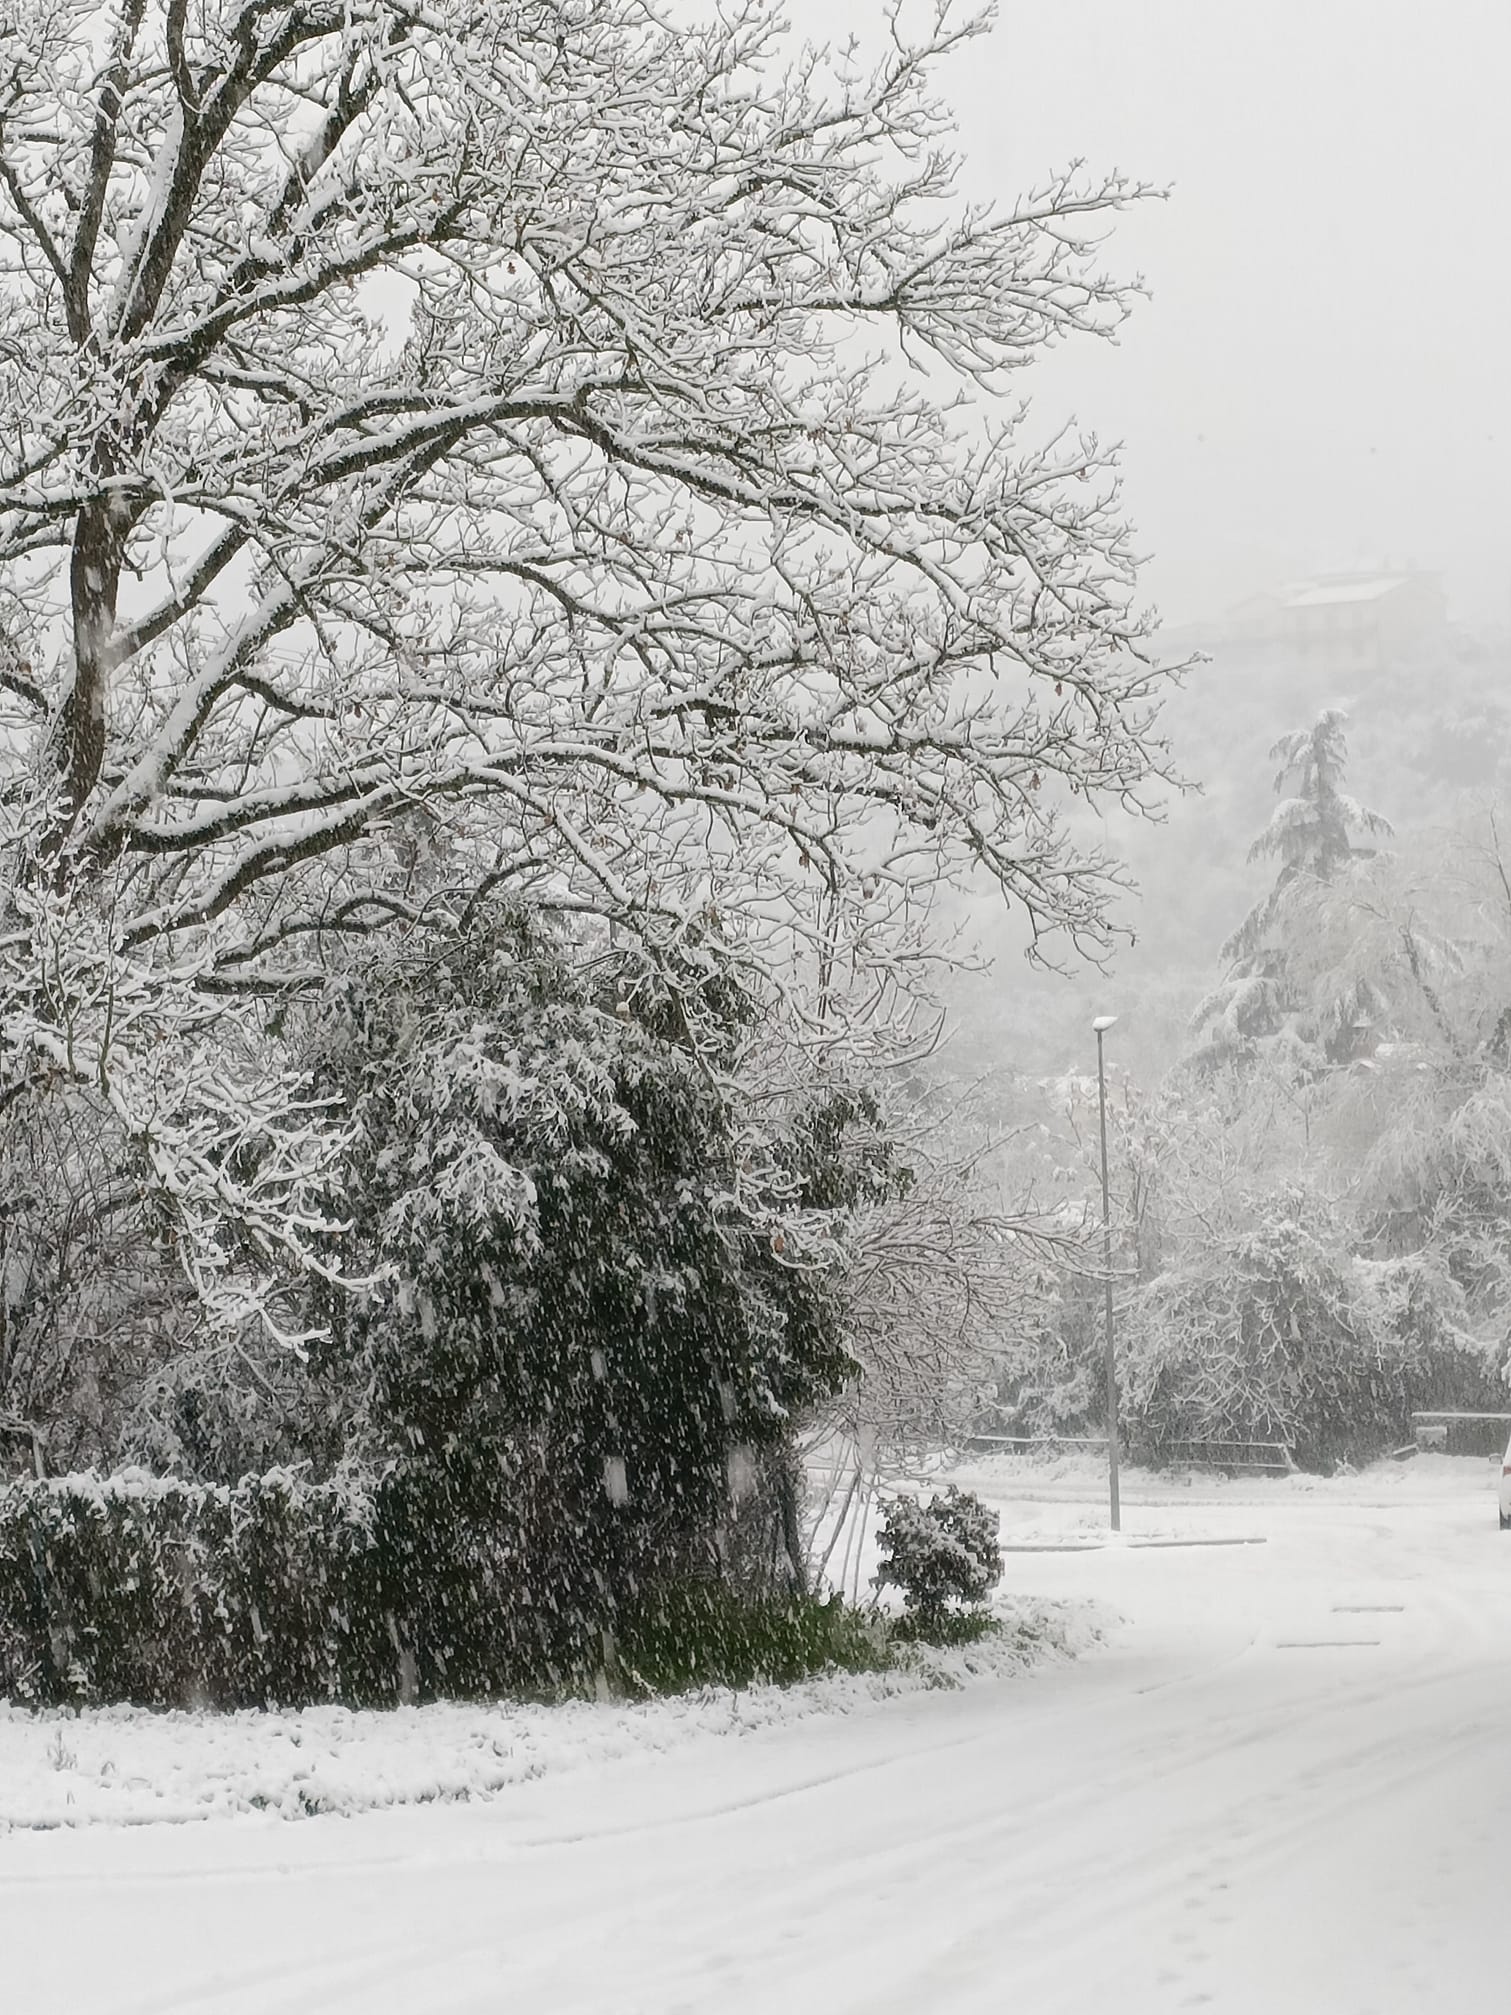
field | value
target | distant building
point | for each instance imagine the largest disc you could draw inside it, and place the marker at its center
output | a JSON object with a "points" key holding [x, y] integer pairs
{"points": [[1346, 622]]}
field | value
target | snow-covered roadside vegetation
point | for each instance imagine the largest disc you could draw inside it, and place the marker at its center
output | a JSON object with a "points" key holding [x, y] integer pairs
{"points": [[1314, 1206], [122, 1766]]}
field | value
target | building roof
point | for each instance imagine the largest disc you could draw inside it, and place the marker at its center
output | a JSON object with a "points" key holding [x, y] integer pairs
{"points": [[1346, 588]]}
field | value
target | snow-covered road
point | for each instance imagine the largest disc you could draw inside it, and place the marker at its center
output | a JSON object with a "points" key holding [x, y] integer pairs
{"points": [[1284, 1783]]}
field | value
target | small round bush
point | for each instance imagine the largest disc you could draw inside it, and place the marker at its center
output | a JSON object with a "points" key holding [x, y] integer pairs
{"points": [[939, 1554]]}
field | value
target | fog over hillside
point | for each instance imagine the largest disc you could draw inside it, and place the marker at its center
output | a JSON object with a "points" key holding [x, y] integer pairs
{"points": [[1317, 380], [1427, 732], [1312, 412]]}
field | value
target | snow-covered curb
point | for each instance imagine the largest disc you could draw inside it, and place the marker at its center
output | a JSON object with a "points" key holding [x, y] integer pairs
{"points": [[122, 1766]]}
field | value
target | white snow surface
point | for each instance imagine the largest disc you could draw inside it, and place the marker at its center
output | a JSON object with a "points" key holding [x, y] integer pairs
{"points": [[124, 1766], [1280, 1781]]}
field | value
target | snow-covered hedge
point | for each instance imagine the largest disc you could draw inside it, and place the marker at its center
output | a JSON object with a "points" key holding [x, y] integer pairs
{"points": [[119, 1766], [280, 1592], [139, 1588]]}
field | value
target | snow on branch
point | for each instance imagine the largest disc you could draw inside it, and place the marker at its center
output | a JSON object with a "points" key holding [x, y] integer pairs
{"points": [[565, 451], [227, 1140]]}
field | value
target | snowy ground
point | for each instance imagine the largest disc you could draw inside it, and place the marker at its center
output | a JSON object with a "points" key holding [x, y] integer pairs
{"points": [[1281, 1782], [124, 1767]]}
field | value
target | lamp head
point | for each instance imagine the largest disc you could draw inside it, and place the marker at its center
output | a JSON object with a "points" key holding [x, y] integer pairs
{"points": [[1104, 1022]]}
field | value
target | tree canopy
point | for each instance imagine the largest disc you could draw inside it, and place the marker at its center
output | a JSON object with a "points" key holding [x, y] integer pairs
{"points": [[558, 449]]}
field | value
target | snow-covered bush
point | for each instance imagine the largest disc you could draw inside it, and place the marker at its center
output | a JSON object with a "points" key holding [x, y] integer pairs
{"points": [[1278, 1332], [939, 1554]]}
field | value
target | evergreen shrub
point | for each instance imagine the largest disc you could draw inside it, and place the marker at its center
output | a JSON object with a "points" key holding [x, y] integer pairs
{"points": [[169, 1594], [939, 1554], [278, 1592]]}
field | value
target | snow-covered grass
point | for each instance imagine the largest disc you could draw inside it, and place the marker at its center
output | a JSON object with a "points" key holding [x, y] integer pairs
{"points": [[123, 1766], [1280, 1780]]}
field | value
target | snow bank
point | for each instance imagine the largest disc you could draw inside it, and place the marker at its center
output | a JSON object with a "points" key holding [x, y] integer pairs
{"points": [[125, 1766]]}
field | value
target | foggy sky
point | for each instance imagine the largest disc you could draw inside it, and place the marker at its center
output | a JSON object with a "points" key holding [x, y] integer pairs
{"points": [[1319, 381], [1321, 378]]}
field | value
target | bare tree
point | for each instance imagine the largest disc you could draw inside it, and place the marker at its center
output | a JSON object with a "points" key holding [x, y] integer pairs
{"points": [[944, 1285], [561, 439], [89, 1292]]}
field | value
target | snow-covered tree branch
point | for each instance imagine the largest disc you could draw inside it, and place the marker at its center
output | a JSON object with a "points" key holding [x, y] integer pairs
{"points": [[567, 442]]}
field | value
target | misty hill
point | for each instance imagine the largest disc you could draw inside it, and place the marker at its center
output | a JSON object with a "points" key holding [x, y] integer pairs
{"points": [[1429, 727]]}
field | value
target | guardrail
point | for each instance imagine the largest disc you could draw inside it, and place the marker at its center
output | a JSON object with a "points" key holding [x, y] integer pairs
{"points": [[984, 1442], [1459, 1433], [1271, 1457]]}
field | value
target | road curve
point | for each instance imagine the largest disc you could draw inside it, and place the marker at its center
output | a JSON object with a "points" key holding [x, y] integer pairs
{"points": [[1282, 1783]]}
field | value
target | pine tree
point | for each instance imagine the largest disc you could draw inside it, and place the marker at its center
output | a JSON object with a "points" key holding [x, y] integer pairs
{"points": [[1261, 1003]]}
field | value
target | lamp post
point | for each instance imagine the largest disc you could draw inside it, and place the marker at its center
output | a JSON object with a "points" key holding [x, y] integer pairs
{"points": [[1102, 1023]]}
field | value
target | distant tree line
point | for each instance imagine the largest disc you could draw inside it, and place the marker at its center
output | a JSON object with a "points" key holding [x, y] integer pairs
{"points": [[1317, 1203]]}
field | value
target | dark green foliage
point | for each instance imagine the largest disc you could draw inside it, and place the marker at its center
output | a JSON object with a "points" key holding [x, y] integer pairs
{"points": [[603, 1283], [840, 1154], [285, 1593], [600, 1290], [939, 1554], [960, 1626], [703, 1634], [490, 1588], [130, 1588], [278, 1592]]}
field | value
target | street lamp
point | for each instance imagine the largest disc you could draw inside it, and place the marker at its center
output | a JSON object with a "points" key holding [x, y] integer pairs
{"points": [[1102, 1023]]}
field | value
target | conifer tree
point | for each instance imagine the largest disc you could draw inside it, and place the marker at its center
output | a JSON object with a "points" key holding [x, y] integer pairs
{"points": [[1315, 832]]}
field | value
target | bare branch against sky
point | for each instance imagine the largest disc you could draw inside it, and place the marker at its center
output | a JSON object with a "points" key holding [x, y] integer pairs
{"points": [[1319, 379]]}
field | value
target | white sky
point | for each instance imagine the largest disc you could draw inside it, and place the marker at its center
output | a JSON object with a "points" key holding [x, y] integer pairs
{"points": [[1321, 379]]}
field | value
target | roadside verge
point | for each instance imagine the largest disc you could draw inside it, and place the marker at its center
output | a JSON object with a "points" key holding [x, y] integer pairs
{"points": [[127, 1767]]}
